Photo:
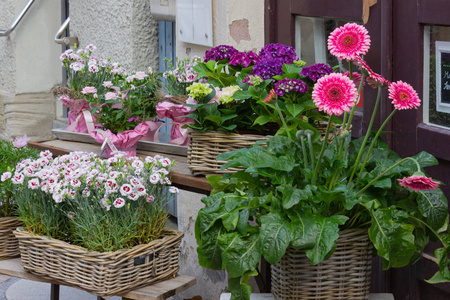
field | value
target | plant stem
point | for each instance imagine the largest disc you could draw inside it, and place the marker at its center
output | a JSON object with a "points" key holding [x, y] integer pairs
{"points": [[305, 155], [367, 135], [282, 119], [374, 141], [386, 171], [325, 142], [311, 150]]}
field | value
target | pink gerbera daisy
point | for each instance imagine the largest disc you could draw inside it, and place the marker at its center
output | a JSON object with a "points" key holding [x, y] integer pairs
{"points": [[374, 80], [418, 182], [348, 41], [403, 95], [334, 94]]}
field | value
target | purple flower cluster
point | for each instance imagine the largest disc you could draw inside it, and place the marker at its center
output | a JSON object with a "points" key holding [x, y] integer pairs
{"points": [[219, 53], [244, 58], [315, 71], [268, 67], [282, 52], [288, 85]]}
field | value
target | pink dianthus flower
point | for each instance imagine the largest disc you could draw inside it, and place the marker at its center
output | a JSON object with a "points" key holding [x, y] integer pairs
{"points": [[334, 94]]}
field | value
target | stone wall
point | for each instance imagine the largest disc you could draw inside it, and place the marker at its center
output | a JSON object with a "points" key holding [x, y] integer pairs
{"points": [[122, 30], [29, 69]]}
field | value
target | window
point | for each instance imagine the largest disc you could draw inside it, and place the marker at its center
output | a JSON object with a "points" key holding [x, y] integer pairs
{"points": [[436, 95]]}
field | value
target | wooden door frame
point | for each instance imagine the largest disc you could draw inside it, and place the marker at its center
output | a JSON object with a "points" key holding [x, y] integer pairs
{"points": [[280, 28]]}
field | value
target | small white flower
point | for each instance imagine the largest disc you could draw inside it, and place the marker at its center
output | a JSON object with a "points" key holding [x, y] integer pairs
{"points": [[126, 189], [165, 162], [18, 179], [138, 164], [134, 181], [33, 184], [6, 176], [150, 198], [154, 178], [174, 190], [57, 197], [140, 190], [133, 196], [149, 159], [86, 192], [119, 202]]}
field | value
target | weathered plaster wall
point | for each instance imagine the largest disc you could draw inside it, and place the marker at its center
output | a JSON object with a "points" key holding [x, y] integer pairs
{"points": [[122, 30], [235, 22], [29, 69]]}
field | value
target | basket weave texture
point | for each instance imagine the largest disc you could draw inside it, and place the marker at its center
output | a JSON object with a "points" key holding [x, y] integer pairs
{"points": [[102, 273], [204, 147], [345, 275], [9, 245]]}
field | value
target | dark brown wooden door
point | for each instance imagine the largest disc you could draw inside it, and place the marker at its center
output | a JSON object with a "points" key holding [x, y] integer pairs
{"points": [[398, 29]]}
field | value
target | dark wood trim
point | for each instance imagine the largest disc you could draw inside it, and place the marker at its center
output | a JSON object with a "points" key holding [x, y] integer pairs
{"points": [[352, 10], [432, 12], [434, 140]]}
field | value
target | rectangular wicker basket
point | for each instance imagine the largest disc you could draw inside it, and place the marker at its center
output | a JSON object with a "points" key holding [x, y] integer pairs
{"points": [[102, 273], [204, 147], [9, 245], [345, 275]]}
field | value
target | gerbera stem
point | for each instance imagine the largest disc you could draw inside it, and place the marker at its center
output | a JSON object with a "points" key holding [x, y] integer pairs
{"points": [[282, 120], [374, 141], [325, 143], [367, 135], [350, 118], [311, 150], [386, 171], [305, 155]]}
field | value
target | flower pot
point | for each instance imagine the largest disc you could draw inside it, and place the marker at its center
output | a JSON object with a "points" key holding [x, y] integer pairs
{"points": [[345, 275], [204, 147], [101, 273], [9, 245], [123, 141]]}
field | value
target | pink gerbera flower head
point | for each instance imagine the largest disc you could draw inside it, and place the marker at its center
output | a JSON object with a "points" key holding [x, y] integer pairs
{"points": [[403, 95], [334, 94], [419, 182], [349, 41], [373, 79]]}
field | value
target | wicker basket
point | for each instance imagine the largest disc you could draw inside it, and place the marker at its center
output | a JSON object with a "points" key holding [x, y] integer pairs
{"points": [[101, 273], [204, 147], [9, 245], [345, 275]]}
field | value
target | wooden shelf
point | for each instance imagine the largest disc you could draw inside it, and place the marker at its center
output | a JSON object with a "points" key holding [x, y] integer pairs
{"points": [[158, 291], [181, 176]]}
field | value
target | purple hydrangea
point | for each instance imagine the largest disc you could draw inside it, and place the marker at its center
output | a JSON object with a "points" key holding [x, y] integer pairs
{"points": [[267, 68], [282, 52], [288, 85], [219, 53], [244, 58], [315, 71]]}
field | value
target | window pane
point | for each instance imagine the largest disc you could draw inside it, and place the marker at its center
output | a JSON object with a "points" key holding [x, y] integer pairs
{"points": [[438, 109]]}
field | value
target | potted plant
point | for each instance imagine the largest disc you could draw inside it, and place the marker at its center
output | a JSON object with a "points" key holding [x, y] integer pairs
{"points": [[310, 205], [238, 106], [101, 220], [84, 69], [11, 153], [123, 110]]}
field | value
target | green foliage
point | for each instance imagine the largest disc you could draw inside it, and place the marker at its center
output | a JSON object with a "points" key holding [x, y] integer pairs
{"points": [[10, 156], [273, 203]]}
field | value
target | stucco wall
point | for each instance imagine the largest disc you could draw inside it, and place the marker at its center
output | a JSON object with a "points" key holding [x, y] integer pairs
{"points": [[235, 22], [29, 68], [122, 30]]}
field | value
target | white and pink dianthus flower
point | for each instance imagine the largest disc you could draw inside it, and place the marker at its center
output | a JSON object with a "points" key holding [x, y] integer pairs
{"points": [[126, 189], [119, 202], [33, 184], [5, 176]]}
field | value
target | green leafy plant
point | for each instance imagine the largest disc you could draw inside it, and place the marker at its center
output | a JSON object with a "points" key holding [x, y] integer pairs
{"points": [[302, 190], [180, 76], [10, 155], [125, 103]]}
